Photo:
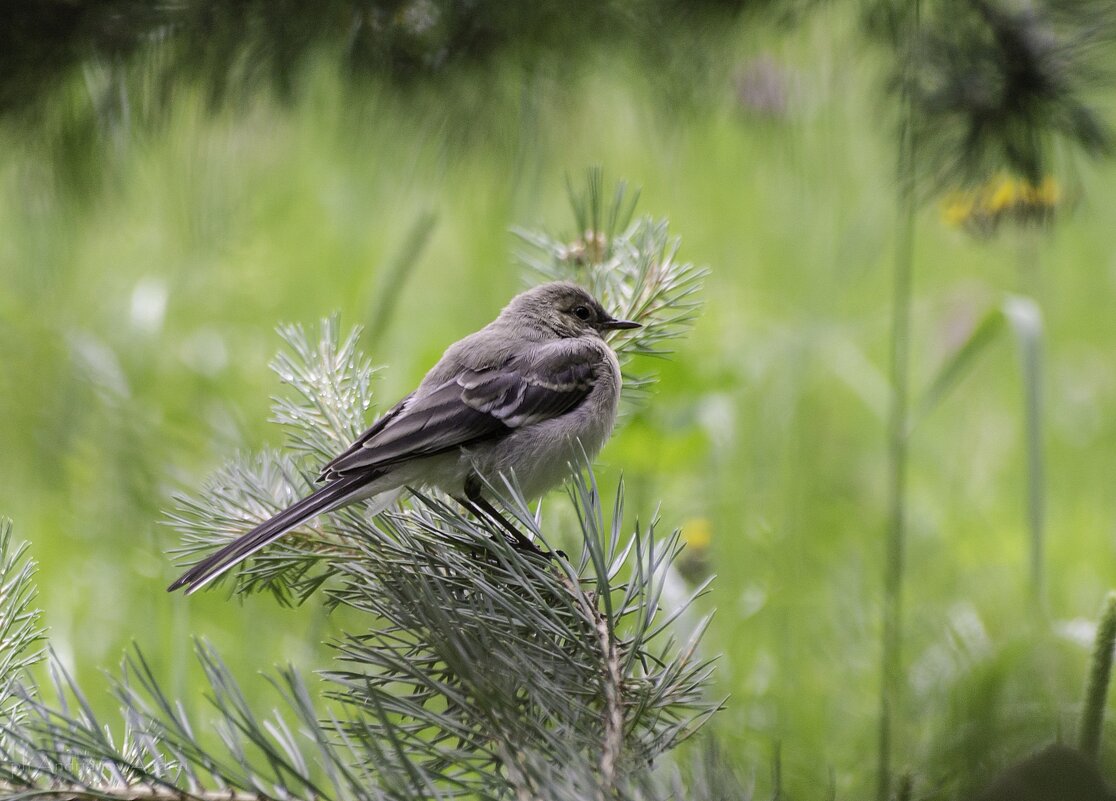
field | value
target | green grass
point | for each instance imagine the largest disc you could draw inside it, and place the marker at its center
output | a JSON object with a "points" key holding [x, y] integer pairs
{"points": [[768, 421]]}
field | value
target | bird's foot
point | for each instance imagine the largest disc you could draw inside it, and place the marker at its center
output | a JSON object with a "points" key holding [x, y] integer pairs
{"points": [[524, 545]]}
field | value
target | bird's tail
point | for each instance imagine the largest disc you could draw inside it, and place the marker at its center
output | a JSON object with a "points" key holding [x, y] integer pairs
{"points": [[328, 497]]}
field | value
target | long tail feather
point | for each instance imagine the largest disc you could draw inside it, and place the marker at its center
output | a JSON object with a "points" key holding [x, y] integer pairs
{"points": [[328, 497]]}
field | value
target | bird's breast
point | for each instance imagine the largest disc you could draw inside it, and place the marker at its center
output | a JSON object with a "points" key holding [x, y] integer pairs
{"points": [[541, 455]]}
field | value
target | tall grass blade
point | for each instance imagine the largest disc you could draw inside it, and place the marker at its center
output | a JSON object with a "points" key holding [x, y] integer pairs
{"points": [[1100, 671], [1025, 319], [381, 307], [962, 360]]}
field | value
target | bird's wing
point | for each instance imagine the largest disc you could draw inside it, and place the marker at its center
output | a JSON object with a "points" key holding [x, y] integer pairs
{"points": [[479, 404], [327, 471]]}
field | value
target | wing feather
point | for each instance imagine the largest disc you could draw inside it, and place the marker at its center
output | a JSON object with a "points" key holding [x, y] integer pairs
{"points": [[327, 471], [476, 405]]}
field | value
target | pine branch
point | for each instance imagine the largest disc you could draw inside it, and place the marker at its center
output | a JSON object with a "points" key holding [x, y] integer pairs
{"points": [[332, 382], [483, 672], [488, 673], [630, 265], [125, 792], [20, 629]]}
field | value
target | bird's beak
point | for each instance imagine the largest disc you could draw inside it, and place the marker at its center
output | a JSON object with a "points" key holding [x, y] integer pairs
{"points": [[618, 325]]}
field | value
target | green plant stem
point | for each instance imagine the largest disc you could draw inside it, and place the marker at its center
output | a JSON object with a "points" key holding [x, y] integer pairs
{"points": [[890, 668], [898, 438], [1100, 671], [1036, 505], [382, 305], [1031, 364]]}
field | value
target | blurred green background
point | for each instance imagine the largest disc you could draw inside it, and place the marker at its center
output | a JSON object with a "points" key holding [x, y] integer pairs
{"points": [[146, 258]]}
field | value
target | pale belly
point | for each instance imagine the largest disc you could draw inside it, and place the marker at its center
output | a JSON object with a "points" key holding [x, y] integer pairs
{"points": [[544, 455]]}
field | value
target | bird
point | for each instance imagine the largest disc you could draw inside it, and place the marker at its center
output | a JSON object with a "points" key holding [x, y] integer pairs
{"points": [[530, 394]]}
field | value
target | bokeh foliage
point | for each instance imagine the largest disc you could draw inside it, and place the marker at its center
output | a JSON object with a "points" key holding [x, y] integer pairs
{"points": [[138, 317], [234, 47]]}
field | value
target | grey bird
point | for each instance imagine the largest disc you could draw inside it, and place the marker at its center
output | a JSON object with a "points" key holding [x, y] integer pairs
{"points": [[530, 393]]}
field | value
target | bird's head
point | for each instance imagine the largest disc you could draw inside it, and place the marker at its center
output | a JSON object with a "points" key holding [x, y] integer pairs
{"points": [[564, 310]]}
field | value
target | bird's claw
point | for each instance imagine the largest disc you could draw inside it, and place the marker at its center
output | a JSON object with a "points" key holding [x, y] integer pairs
{"points": [[527, 546]]}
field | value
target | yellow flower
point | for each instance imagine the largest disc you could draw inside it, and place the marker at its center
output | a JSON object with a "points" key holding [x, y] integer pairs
{"points": [[697, 533], [1001, 195], [957, 208], [981, 209], [1048, 193]]}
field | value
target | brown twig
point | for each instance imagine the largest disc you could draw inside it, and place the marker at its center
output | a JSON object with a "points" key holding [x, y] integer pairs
{"points": [[613, 740], [611, 682]]}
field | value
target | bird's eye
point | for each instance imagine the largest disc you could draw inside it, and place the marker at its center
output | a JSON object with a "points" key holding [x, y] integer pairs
{"points": [[582, 312]]}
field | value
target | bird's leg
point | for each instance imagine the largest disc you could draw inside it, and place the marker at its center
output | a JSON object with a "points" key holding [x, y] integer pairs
{"points": [[479, 506]]}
